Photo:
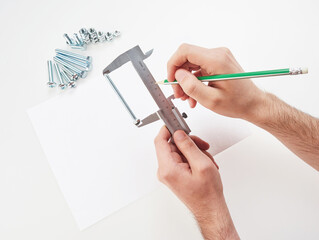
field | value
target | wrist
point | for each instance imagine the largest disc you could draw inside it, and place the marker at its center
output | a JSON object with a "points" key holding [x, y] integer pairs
{"points": [[216, 223], [260, 109]]}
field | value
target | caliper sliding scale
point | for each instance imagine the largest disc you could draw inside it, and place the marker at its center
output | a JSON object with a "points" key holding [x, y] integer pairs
{"points": [[167, 111]]}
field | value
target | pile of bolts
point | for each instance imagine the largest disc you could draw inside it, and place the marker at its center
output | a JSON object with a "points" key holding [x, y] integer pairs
{"points": [[87, 36], [69, 67]]}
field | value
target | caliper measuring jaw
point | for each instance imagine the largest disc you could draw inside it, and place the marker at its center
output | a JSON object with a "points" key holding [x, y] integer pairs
{"points": [[167, 111]]}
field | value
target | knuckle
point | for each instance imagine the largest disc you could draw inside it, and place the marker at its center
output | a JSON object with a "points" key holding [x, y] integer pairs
{"points": [[183, 47], [225, 50]]}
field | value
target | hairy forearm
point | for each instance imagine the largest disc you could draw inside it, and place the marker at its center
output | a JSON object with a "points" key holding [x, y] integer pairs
{"points": [[216, 224], [295, 129]]}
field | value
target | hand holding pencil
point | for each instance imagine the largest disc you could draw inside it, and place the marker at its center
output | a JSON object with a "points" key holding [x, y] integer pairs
{"points": [[238, 99]]}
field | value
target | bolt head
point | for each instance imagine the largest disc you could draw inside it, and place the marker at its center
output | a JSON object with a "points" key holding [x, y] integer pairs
{"points": [[72, 84], [62, 86], [51, 84], [75, 77], [83, 74]]}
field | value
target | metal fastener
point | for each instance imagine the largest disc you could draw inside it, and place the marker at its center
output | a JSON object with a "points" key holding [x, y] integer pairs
{"points": [[72, 74], [62, 85], [85, 65], [81, 73], [84, 34], [66, 78], [69, 41], [93, 35], [74, 55], [101, 36], [51, 82]]}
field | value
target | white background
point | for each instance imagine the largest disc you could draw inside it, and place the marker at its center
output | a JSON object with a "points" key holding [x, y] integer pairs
{"points": [[271, 194]]}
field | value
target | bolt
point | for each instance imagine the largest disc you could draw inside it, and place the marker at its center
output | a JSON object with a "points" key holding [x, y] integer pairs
{"points": [[87, 66], [69, 41], [51, 82], [136, 120], [72, 74], [62, 85], [69, 81], [74, 55], [81, 73], [78, 40]]}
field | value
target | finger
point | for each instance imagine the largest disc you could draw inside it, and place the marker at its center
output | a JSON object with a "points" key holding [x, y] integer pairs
{"points": [[162, 146], [192, 102], [200, 143], [195, 157], [195, 88], [178, 91], [185, 53], [211, 157]]}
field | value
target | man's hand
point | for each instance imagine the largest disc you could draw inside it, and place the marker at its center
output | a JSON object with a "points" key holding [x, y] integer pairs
{"points": [[238, 98], [191, 173], [242, 99]]}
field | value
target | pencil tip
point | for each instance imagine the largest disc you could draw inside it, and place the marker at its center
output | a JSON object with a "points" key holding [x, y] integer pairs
{"points": [[160, 82]]}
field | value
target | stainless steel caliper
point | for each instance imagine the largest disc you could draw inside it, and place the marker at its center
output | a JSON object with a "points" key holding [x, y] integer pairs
{"points": [[167, 111]]}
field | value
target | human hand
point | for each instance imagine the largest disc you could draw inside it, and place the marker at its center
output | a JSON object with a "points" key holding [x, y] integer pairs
{"points": [[239, 98], [191, 173]]}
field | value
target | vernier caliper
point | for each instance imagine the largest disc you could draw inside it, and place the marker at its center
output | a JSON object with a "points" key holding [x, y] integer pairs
{"points": [[167, 111]]}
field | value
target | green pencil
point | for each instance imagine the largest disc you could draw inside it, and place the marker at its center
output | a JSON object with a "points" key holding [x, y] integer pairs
{"points": [[234, 76]]}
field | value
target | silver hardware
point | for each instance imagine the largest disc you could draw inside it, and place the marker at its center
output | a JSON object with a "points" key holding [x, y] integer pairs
{"points": [[72, 74], [136, 121], [51, 82], [62, 85], [101, 36], [167, 111], [85, 65], [67, 39], [109, 36], [85, 36], [74, 55], [81, 73], [89, 36], [69, 82], [93, 35]]}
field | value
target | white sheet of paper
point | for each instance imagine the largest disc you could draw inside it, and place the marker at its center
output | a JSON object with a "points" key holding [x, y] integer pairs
{"points": [[103, 162]]}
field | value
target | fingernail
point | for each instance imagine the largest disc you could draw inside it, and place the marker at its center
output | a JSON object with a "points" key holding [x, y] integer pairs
{"points": [[179, 135], [180, 74]]}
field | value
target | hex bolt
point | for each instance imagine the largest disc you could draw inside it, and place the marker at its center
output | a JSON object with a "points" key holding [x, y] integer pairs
{"points": [[81, 73], [74, 55], [69, 41], [62, 85], [86, 65], [78, 39], [72, 74], [51, 82], [69, 82]]}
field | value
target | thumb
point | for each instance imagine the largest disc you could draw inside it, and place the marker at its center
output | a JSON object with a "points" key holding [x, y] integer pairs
{"points": [[193, 87], [195, 157]]}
